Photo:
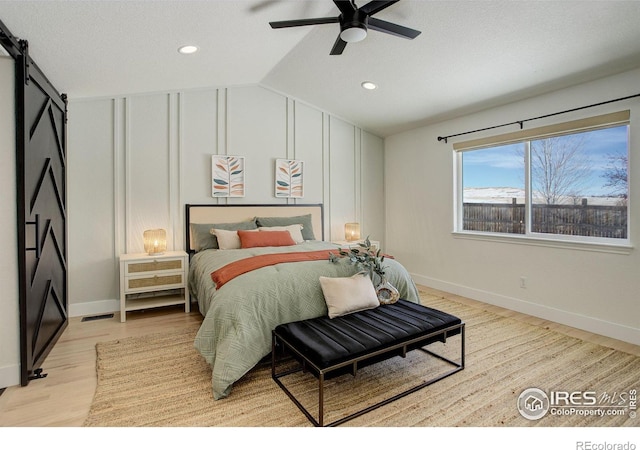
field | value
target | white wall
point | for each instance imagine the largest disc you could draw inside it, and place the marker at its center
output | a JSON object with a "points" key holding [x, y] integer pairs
{"points": [[596, 291], [9, 312], [135, 161], [372, 187]]}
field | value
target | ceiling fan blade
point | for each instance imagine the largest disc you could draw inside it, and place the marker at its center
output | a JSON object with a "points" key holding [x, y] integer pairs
{"points": [[377, 5], [303, 22], [345, 6], [338, 46], [392, 28]]}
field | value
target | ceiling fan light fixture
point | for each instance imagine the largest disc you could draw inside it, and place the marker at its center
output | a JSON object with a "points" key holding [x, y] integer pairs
{"points": [[354, 23], [188, 49], [353, 34]]}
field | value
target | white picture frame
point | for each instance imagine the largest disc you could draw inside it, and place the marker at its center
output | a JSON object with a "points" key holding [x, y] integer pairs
{"points": [[289, 178], [227, 176]]}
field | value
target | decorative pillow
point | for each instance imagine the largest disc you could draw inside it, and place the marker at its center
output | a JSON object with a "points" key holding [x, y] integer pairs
{"points": [[228, 239], [305, 221], [294, 230], [250, 239], [203, 239], [348, 295]]}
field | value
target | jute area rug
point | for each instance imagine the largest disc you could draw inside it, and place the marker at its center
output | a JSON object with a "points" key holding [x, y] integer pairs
{"points": [[161, 380]]}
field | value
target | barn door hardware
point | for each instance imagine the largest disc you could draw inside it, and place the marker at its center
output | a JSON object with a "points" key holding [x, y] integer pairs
{"points": [[66, 106], [37, 374], [38, 247], [24, 49], [10, 43]]}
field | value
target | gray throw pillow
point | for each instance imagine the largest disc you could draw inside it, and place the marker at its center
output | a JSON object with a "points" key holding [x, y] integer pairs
{"points": [[305, 221], [203, 239]]}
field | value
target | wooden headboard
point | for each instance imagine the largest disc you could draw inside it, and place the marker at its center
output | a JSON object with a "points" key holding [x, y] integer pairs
{"points": [[237, 213]]}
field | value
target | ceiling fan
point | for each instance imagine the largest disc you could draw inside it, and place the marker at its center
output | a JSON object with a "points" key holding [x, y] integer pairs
{"points": [[354, 23]]}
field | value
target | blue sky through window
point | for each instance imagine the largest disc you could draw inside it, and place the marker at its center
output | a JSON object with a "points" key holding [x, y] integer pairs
{"points": [[503, 166]]}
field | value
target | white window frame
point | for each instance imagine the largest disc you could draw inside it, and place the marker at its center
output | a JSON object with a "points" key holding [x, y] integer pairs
{"points": [[609, 245]]}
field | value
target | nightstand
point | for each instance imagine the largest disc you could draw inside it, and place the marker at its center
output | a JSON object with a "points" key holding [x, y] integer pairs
{"points": [[151, 281], [375, 245]]}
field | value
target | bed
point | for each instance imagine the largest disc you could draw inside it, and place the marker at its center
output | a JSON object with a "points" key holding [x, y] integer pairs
{"points": [[260, 287]]}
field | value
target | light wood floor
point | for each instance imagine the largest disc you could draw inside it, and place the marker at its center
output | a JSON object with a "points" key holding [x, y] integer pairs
{"points": [[63, 398]]}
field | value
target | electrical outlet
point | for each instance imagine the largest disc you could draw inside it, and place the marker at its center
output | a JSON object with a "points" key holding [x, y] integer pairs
{"points": [[523, 282]]}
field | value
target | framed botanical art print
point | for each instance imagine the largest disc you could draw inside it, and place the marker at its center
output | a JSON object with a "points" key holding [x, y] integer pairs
{"points": [[289, 178], [227, 174]]}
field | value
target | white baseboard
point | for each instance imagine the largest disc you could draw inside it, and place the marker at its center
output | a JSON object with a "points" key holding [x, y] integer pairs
{"points": [[9, 376], [572, 319], [93, 308]]}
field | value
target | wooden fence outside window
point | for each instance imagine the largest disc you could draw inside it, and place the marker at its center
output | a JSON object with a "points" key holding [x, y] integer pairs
{"points": [[576, 220]]}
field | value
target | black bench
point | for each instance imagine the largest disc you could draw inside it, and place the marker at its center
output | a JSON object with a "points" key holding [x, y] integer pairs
{"points": [[330, 347]]}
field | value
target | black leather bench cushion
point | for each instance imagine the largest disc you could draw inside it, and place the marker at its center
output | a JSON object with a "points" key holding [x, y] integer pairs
{"points": [[327, 342]]}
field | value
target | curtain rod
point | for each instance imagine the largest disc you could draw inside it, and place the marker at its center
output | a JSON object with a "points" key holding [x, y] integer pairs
{"points": [[521, 122]]}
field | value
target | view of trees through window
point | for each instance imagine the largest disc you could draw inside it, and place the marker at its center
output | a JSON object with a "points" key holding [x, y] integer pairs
{"points": [[577, 185]]}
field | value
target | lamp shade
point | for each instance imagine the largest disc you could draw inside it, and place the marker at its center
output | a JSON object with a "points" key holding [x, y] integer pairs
{"points": [[352, 231], [155, 241]]}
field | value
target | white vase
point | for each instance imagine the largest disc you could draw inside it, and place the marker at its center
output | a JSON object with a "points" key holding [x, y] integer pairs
{"points": [[387, 293]]}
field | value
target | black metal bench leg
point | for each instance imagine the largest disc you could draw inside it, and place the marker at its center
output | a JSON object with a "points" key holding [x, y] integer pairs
{"points": [[321, 399], [462, 349]]}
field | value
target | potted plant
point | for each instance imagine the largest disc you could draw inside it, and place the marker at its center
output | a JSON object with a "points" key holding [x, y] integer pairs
{"points": [[371, 261]]}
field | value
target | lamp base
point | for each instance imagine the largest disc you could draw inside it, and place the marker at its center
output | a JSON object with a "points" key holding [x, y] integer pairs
{"points": [[156, 254]]}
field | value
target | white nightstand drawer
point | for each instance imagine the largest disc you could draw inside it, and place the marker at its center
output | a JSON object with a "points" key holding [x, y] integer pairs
{"points": [[157, 265], [168, 281]]}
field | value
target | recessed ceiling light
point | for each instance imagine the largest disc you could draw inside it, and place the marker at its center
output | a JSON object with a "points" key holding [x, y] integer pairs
{"points": [[188, 49], [369, 85]]}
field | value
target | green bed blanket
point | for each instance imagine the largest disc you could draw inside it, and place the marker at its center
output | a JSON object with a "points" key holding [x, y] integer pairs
{"points": [[240, 316]]}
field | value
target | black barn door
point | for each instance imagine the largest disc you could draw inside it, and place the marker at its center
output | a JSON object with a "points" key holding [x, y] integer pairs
{"points": [[42, 219]]}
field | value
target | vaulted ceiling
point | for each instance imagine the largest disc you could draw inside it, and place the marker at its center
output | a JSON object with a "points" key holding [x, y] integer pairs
{"points": [[471, 55]]}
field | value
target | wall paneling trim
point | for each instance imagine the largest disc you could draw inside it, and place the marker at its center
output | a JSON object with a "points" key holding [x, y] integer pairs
{"points": [[136, 160]]}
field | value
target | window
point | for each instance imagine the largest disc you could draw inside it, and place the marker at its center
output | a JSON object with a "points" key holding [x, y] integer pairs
{"points": [[569, 185]]}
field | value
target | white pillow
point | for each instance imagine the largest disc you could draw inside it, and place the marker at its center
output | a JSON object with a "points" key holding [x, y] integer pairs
{"points": [[294, 230], [348, 295], [227, 239]]}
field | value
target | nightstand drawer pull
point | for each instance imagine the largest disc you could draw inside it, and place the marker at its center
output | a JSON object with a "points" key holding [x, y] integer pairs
{"points": [[138, 283], [152, 266]]}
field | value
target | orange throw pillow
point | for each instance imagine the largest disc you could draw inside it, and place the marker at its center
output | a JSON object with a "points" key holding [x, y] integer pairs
{"points": [[265, 239]]}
